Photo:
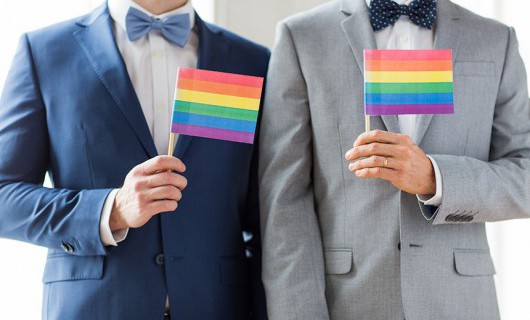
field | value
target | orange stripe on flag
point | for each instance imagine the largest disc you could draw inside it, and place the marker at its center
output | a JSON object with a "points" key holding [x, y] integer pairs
{"points": [[403, 65], [219, 88]]}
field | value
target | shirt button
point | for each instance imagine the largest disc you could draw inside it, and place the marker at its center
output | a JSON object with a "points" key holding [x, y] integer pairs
{"points": [[157, 54], [159, 259]]}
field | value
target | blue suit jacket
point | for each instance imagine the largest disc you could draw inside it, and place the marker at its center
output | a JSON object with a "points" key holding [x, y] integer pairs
{"points": [[69, 108]]}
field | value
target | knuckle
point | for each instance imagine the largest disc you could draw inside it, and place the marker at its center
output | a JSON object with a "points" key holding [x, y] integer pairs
{"points": [[140, 197], [158, 161], [178, 195], [137, 170], [137, 185], [174, 193], [180, 164], [166, 191], [184, 182], [179, 182], [171, 205], [167, 177]]}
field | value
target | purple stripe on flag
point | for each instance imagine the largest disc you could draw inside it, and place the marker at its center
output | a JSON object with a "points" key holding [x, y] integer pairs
{"points": [[385, 109], [213, 133]]}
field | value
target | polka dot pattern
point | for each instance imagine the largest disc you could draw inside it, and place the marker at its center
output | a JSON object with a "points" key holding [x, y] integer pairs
{"points": [[384, 13]]}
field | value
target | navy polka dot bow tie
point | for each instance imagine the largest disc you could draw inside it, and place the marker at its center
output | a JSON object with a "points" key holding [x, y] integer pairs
{"points": [[384, 13]]}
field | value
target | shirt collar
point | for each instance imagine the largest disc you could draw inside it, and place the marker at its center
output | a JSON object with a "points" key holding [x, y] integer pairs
{"points": [[118, 11], [397, 1]]}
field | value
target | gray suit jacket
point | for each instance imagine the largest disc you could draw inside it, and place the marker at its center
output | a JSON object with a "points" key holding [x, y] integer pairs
{"points": [[340, 247]]}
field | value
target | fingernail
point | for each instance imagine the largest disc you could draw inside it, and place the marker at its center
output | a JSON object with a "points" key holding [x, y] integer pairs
{"points": [[358, 173], [348, 154], [351, 166]]}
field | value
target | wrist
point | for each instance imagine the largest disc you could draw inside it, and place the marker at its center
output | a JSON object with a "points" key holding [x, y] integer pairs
{"points": [[430, 188], [116, 221]]}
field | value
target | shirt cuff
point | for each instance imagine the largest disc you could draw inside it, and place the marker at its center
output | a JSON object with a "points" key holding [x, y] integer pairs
{"points": [[436, 200], [108, 237]]}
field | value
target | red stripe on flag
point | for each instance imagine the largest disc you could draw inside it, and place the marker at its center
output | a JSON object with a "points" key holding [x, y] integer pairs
{"points": [[408, 55], [221, 77]]}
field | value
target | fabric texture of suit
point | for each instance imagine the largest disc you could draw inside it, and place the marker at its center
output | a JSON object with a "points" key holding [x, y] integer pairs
{"points": [[339, 247], [68, 107]]}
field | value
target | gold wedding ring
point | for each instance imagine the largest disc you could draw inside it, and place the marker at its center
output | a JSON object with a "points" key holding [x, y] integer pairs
{"points": [[386, 162]]}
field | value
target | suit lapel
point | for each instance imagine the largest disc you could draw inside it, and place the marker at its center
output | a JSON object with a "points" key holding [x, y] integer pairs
{"points": [[213, 55], [97, 41], [360, 35], [447, 36]]}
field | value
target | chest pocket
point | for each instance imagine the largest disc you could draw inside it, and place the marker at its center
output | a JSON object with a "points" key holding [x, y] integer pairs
{"points": [[474, 68]]}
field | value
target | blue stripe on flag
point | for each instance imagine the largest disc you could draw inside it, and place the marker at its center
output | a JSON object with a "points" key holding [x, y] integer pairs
{"points": [[214, 122], [409, 98]]}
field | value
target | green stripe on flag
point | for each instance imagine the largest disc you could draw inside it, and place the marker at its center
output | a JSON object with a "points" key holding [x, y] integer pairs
{"points": [[419, 87], [215, 111]]}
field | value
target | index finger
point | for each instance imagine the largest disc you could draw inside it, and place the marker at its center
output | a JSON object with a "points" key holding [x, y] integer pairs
{"points": [[381, 137], [162, 163]]}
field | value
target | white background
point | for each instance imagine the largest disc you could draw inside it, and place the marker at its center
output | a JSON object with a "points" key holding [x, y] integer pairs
{"points": [[21, 265]]}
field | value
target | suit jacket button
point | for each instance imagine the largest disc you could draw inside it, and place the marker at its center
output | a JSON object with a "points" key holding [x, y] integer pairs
{"points": [[399, 246], [449, 218], [469, 218], [159, 259]]}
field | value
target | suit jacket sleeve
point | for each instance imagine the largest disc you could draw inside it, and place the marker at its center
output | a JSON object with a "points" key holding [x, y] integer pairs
{"points": [[293, 266], [479, 191], [53, 218]]}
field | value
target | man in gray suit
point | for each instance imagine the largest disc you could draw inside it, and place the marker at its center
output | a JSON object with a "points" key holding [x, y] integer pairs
{"points": [[397, 230]]}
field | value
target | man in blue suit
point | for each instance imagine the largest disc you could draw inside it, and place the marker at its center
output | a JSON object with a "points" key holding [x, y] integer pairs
{"points": [[131, 235]]}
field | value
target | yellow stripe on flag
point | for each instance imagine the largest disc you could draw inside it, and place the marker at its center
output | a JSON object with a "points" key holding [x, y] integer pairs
{"points": [[217, 99], [403, 77]]}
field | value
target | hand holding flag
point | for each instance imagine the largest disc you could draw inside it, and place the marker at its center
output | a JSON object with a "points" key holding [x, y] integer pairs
{"points": [[393, 157], [401, 82]]}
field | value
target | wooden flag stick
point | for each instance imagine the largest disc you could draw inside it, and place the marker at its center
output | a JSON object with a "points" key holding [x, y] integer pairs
{"points": [[367, 123], [171, 144]]}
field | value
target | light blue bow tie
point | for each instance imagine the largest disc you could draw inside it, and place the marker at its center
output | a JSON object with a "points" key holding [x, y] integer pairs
{"points": [[175, 28]]}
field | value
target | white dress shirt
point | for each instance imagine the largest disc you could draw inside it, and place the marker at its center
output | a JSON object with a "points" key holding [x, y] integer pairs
{"points": [[405, 35], [152, 64]]}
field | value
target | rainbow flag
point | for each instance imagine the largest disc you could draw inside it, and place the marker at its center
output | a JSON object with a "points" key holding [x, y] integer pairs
{"points": [[216, 105], [408, 82]]}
